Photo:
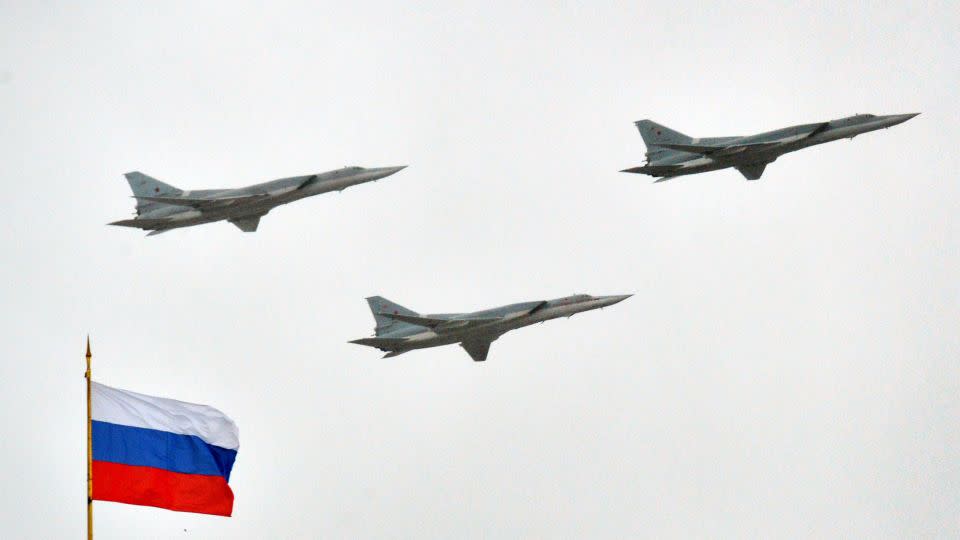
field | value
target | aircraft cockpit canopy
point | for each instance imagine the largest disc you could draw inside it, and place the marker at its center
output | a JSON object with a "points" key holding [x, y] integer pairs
{"points": [[574, 299], [852, 120]]}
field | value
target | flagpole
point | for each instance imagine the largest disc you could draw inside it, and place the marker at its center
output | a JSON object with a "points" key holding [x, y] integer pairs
{"points": [[89, 451]]}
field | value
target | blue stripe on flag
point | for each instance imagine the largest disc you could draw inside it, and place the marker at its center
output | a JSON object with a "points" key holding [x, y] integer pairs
{"points": [[187, 454]]}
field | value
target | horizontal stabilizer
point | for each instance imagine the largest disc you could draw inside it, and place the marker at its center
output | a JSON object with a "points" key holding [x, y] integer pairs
{"points": [[384, 344], [654, 170], [141, 223]]}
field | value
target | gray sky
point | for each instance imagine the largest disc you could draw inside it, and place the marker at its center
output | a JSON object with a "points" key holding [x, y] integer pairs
{"points": [[788, 366]]}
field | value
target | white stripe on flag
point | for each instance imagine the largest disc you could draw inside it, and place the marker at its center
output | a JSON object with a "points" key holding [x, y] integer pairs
{"points": [[128, 408]]}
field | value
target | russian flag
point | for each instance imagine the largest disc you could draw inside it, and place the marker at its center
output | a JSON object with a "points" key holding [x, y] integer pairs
{"points": [[161, 452]]}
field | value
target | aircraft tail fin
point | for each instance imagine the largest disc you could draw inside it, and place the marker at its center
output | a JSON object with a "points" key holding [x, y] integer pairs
{"points": [[654, 133], [378, 305], [146, 186]]}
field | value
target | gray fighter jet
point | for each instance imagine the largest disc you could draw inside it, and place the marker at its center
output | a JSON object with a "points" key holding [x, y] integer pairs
{"points": [[400, 330], [671, 153], [162, 207]]}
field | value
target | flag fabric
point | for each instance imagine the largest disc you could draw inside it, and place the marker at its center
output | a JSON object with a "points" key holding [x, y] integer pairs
{"points": [[161, 452]]}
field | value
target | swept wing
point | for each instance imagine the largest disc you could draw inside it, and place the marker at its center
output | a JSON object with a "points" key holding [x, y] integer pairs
{"points": [[439, 324], [247, 223], [718, 150], [204, 204], [223, 201], [752, 171], [477, 348]]}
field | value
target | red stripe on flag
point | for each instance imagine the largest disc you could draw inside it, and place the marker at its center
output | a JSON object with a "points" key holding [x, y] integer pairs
{"points": [[148, 486]]}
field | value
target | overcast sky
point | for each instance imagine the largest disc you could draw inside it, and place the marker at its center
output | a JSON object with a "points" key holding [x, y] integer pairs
{"points": [[788, 365]]}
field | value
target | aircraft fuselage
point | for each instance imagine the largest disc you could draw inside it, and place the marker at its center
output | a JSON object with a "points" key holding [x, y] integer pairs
{"points": [[680, 163], [250, 201], [510, 317]]}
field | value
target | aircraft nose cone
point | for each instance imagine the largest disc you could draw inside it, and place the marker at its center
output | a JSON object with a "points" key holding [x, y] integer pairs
{"points": [[895, 119], [383, 172], [611, 300]]}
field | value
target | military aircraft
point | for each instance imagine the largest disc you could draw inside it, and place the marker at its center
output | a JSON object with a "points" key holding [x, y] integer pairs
{"points": [[671, 153], [400, 330], [162, 207]]}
